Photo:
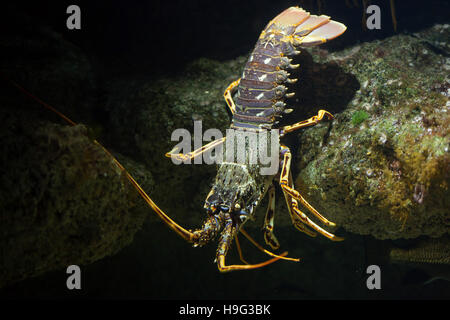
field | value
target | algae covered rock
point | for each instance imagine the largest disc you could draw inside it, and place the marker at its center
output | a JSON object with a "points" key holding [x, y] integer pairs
{"points": [[63, 201], [382, 166]]}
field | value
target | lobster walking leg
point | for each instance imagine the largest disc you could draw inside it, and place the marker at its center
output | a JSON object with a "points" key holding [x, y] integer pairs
{"points": [[269, 237], [228, 97], [224, 244], [288, 188], [195, 153], [282, 256], [290, 202], [306, 123]]}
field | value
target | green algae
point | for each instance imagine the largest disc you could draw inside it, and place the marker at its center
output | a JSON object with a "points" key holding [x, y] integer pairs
{"points": [[358, 117]]}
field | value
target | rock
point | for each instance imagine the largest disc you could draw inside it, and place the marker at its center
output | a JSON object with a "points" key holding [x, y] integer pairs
{"points": [[63, 201], [386, 173]]}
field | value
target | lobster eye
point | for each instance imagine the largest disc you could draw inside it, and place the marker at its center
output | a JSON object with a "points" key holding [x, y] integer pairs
{"points": [[237, 206]]}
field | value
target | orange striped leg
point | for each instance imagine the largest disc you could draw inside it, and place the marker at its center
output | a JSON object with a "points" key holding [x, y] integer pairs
{"points": [[295, 221], [290, 202], [241, 256], [195, 153], [294, 196], [227, 268], [227, 95], [228, 234], [264, 250], [306, 123], [269, 237]]}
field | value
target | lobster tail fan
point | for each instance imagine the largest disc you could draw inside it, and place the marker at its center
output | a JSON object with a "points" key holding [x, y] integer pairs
{"points": [[309, 30], [310, 24], [292, 16], [317, 30]]}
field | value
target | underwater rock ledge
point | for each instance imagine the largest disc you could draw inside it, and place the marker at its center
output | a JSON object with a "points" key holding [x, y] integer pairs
{"points": [[382, 167], [63, 200]]}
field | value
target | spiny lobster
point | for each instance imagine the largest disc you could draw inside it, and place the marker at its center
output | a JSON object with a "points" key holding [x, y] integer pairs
{"points": [[258, 105]]}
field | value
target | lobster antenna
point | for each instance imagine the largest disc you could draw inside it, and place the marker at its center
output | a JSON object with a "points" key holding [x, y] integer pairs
{"points": [[46, 105], [185, 234]]}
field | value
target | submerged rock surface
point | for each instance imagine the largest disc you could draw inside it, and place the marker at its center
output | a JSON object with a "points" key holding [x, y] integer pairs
{"points": [[62, 200], [382, 167]]}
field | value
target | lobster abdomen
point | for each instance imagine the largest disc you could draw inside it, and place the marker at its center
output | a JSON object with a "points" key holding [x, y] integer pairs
{"points": [[261, 92]]}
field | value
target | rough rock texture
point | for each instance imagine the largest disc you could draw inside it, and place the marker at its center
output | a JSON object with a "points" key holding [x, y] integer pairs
{"points": [[382, 167], [63, 200]]}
